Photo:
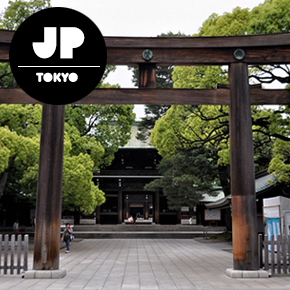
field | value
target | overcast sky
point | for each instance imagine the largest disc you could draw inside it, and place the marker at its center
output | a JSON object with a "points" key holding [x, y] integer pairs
{"points": [[147, 18]]}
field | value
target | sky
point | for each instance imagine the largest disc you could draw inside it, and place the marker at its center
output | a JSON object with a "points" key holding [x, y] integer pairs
{"points": [[147, 18]]}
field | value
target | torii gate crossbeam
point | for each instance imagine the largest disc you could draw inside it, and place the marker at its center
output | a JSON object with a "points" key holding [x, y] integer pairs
{"points": [[257, 49]]}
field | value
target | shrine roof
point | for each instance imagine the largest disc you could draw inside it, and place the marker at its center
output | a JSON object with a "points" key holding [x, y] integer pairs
{"points": [[134, 142]]}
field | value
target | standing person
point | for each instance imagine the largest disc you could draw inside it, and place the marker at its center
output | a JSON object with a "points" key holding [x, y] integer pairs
{"points": [[67, 236], [16, 228], [190, 221], [33, 223]]}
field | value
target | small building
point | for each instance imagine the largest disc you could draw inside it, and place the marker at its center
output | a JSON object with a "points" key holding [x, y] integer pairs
{"points": [[266, 187]]}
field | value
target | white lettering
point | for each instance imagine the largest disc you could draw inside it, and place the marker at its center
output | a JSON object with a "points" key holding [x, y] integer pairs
{"points": [[70, 38], [56, 77], [73, 77], [47, 77], [65, 76], [39, 75], [47, 48]]}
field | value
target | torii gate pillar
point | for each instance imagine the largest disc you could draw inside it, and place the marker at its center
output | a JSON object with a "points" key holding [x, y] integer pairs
{"points": [[244, 212], [49, 190]]}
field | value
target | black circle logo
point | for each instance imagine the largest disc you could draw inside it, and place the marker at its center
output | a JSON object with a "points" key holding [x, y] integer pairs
{"points": [[58, 56]]}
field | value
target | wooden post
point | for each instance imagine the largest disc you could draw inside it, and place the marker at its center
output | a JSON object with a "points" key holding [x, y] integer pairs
{"points": [[98, 214], [49, 189], [120, 206], [244, 212], [147, 75], [156, 207]]}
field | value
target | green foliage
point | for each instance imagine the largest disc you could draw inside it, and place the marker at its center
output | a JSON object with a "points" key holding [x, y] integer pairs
{"points": [[198, 77], [19, 152], [6, 78], [78, 189], [23, 119], [186, 176], [91, 143], [18, 11], [273, 16], [234, 23], [185, 127], [152, 114], [108, 125], [280, 165]]}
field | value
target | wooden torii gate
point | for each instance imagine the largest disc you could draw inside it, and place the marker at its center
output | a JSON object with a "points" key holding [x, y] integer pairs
{"points": [[236, 51]]}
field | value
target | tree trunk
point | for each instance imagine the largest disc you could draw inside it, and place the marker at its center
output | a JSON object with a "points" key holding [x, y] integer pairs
{"points": [[77, 216], [4, 176]]}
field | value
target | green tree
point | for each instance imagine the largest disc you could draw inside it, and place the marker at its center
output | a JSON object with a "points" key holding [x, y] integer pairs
{"points": [[188, 127], [16, 151], [186, 176], [19, 10], [234, 23], [272, 16], [152, 114], [280, 164], [108, 124]]}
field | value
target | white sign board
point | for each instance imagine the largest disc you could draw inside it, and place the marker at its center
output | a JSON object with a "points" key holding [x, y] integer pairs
{"points": [[185, 208], [272, 211], [212, 215]]}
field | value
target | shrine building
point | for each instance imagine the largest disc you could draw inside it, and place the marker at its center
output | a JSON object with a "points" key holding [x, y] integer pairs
{"points": [[123, 183]]}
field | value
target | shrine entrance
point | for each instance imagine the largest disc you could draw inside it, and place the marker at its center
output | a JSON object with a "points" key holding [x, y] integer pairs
{"points": [[237, 52], [139, 205]]}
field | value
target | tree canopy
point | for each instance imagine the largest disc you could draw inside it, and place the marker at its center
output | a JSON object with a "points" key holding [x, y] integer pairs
{"points": [[187, 129]]}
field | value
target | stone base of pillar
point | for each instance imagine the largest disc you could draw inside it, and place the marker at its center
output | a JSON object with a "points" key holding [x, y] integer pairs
{"points": [[247, 273], [45, 274]]}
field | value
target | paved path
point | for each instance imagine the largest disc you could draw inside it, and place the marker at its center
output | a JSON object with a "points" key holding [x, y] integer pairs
{"points": [[112, 264]]}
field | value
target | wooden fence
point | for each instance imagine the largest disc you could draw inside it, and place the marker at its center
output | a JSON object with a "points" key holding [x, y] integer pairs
{"points": [[274, 253], [20, 263]]}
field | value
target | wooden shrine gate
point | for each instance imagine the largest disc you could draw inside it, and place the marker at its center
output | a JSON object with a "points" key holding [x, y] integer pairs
{"points": [[236, 51]]}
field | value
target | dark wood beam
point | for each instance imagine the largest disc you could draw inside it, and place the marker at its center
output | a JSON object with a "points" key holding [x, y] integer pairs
{"points": [[220, 96], [262, 40], [259, 49], [199, 56]]}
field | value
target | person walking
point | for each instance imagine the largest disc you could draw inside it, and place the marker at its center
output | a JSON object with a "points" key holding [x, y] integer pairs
{"points": [[67, 236], [16, 228]]}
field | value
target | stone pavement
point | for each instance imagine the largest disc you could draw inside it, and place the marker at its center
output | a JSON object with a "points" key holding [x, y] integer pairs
{"points": [[112, 264]]}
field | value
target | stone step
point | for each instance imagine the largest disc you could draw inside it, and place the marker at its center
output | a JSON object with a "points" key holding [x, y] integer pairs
{"points": [[145, 228], [144, 235]]}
